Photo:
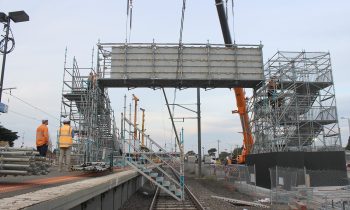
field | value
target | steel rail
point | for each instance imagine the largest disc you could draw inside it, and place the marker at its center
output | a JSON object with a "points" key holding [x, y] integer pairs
{"points": [[154, 200], [190, 195]]}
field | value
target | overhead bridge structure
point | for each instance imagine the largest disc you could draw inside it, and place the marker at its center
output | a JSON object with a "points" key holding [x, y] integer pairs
{"points": [[85, 98], [155, 65]]}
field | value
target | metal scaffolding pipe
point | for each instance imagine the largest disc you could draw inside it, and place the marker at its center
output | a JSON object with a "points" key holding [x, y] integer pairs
{"points": [[18, 153], [13, 172], [17, 149], [15, 166], [6, 159]]}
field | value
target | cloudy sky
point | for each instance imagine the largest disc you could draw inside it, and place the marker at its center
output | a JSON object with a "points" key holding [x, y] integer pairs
{"points": [[35, 67]]}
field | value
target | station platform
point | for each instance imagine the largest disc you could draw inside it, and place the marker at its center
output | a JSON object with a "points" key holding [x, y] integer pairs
{"points": [[65, 190], [16, 185]]}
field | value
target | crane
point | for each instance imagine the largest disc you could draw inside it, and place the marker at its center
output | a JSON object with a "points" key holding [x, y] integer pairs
{"points": [[135, 117], [143, 127], [239, 92]]}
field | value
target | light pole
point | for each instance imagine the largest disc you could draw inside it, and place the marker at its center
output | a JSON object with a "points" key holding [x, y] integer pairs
{"points": [[18, 16], [218, 148], [346, 118], [203, 153]]}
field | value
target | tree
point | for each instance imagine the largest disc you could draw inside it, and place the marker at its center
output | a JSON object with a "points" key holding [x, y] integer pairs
{"points": [[190, 153], [236, 152], [212, 151], [348, 145], [223, 155], [7, 135]]}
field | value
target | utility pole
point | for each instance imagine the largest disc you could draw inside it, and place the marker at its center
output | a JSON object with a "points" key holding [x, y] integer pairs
{"points": [[203, 152], [124, 116], [135, 116], [218, 147], [199, 132], [143, 127], [347, 118], [175, 144], [130, 135]]}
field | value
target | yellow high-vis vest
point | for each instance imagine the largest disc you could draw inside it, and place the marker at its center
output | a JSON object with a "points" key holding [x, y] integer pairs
{"points": [[66, 139]]}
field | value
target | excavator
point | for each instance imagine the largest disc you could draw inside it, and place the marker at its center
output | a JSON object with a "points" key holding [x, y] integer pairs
{"points": [[239, 92]]}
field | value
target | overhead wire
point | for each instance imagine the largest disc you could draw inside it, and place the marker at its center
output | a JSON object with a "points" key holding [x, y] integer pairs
{"points": [[34, 107], [23, 115]]}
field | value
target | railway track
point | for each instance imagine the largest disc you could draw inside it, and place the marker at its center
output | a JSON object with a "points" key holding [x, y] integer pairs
{"points": [[161, 201]]}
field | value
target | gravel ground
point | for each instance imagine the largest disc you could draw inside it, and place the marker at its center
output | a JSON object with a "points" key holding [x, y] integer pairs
{"points": [[205, 188], [141, 199]]}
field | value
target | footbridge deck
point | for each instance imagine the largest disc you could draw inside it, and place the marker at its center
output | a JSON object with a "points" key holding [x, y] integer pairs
{"points": [[180, 66]]}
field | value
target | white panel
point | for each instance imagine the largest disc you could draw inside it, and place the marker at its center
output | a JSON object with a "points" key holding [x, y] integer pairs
{"points": [[196, 62]]}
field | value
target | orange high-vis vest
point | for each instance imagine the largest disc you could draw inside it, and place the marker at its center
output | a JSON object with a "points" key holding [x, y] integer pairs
{"points": [[42, 135], [66, 139]]}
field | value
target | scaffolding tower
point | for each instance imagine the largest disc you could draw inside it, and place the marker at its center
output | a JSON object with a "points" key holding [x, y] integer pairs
{"points": [[88, 107], [295, 108]]}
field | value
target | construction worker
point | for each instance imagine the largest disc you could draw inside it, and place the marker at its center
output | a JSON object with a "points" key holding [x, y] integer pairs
{"points": [[271, 91], [42, 138], [66, 136]]}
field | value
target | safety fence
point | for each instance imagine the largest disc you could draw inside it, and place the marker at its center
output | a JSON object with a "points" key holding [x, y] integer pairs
{"points": [[319, 189], [241, 175], [293, 187]]}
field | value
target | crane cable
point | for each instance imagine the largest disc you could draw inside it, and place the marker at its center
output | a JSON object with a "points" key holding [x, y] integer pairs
{"points": [[233, 21], [233, 18], [128, 20], [182, 19], [180, 43], [178, 58]]}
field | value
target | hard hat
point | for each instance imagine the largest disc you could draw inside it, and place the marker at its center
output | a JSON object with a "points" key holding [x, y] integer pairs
{"points": [[66, 120]]}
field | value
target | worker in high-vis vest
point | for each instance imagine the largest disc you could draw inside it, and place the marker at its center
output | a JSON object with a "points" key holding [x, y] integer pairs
{"points": [[66, 136], [42, 138]]}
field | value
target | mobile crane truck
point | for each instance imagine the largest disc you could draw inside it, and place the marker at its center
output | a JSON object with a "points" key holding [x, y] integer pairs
{"points": [[239, 92]]}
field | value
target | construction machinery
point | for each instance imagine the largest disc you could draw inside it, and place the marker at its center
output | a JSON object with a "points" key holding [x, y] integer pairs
{"points": [[239, 92]]}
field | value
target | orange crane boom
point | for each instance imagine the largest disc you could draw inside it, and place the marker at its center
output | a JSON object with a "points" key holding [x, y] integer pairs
{"points": [[239, 92], [243, 114]]}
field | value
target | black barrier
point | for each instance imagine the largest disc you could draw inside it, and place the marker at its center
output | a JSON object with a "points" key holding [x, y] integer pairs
{"points": [[330, 164]]}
